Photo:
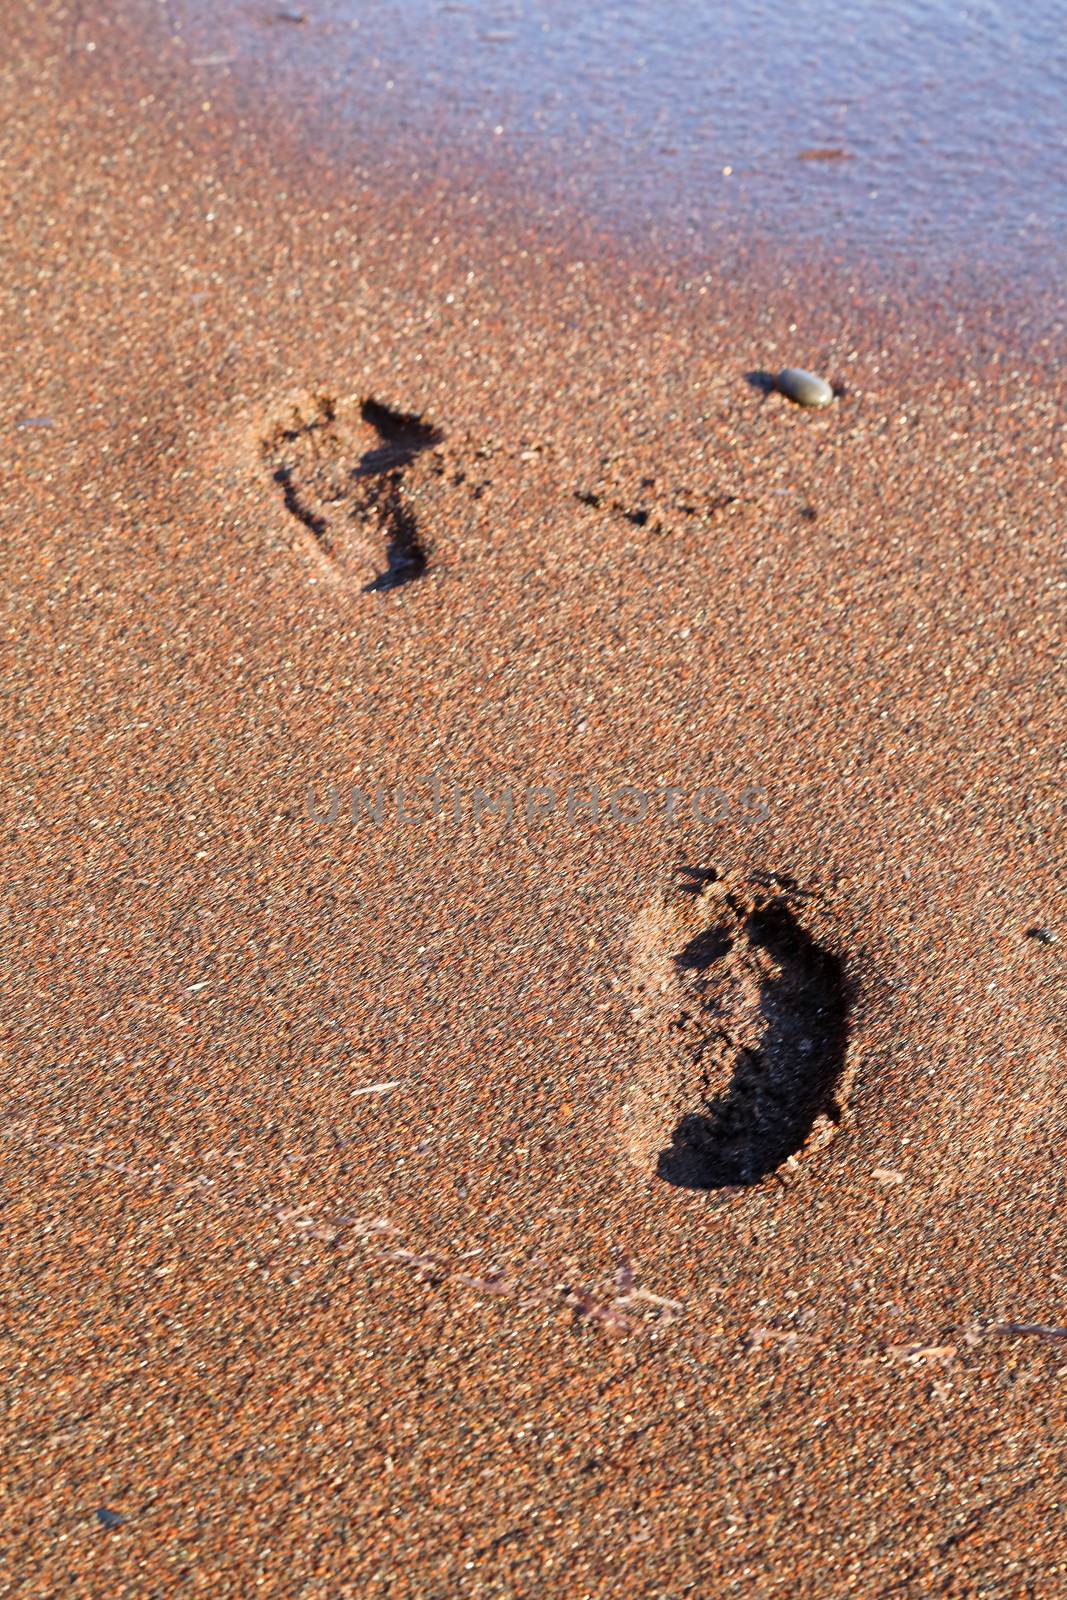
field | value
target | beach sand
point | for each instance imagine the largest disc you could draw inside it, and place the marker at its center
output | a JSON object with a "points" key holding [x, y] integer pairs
{"points": [[339, 1255]]}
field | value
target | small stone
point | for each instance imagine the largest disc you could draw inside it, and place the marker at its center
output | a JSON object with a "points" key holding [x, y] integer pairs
{"points": [[805, 388]]}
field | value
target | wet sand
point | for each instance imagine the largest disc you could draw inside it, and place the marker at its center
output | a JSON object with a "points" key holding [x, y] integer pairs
{"points": [[342, 1252]]}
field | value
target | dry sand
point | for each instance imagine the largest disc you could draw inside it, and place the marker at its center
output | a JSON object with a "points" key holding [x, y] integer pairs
{"points": [[336, 1260]]}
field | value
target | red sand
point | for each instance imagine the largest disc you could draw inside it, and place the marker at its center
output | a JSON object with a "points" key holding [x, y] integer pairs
{"points": [[455, 1336]]}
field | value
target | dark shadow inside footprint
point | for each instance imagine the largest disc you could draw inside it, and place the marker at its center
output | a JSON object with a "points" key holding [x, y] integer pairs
{"points": [[781, 1084], [283, 477], [692, 880], [701, 952], [402, 436], [404, 553]]}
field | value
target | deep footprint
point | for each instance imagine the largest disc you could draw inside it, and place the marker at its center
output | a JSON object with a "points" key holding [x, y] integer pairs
{"points": [[749, 1020], [341, 470]]}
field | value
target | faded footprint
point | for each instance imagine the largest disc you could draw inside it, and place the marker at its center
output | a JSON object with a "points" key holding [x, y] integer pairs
{"points": [[343, 469], [656, 501], [743, 1016]]}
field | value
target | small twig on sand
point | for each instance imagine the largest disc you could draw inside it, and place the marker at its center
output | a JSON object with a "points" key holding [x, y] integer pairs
{"points": [[915, 1353], [1039, 1330]]}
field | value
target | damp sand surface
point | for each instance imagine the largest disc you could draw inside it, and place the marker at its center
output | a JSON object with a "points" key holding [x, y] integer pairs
{"points": [[920, 131], [343, 1255]]}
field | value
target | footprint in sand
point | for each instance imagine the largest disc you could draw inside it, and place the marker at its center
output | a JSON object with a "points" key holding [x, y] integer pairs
{"points": [[744, 1021], [342, 469]]}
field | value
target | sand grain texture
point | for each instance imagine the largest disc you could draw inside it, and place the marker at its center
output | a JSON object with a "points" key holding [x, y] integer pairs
{"points": [[454, 1338]]}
